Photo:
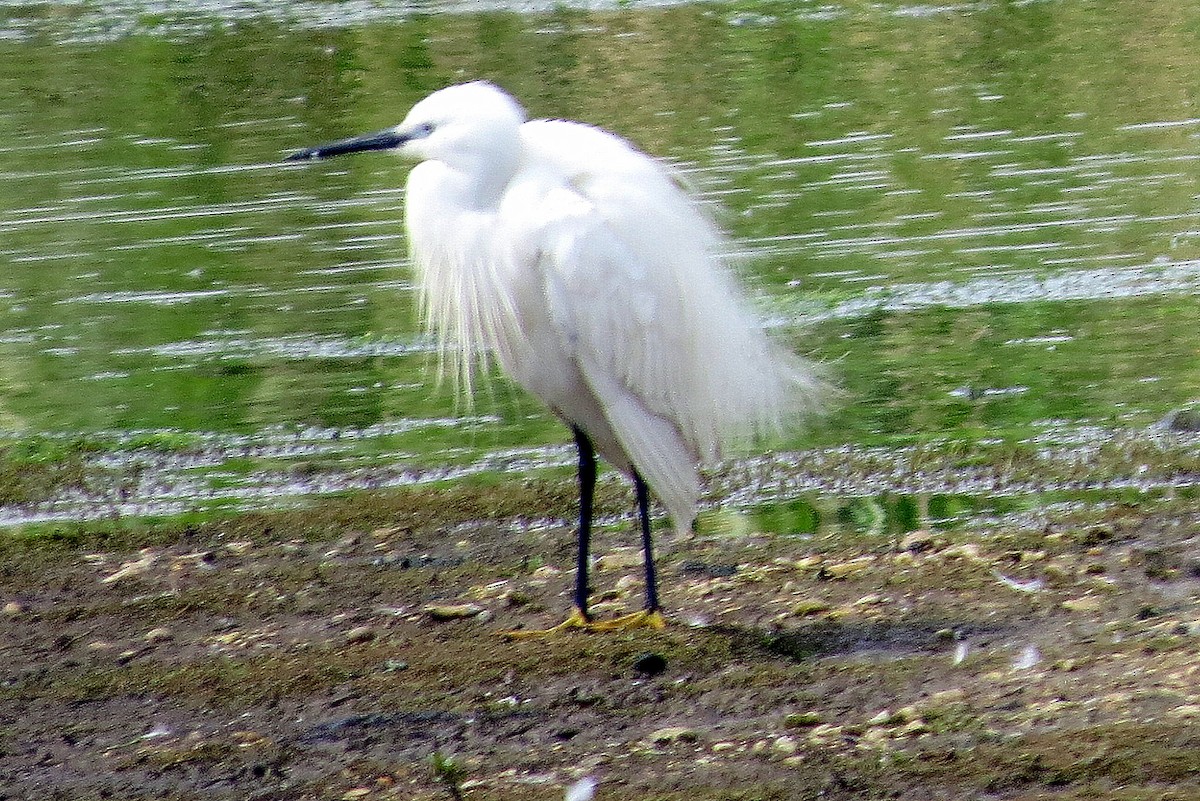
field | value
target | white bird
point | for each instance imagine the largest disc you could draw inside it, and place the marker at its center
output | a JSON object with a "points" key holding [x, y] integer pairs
{"points": [[599, 285]]}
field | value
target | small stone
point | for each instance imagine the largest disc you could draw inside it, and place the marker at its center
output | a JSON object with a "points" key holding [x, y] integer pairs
{"points": [[484, 592], [1057, 573], [798, 720], [357, 792], [882, 718], [619, 559], [452, 611], [1084, 603], [246, 738], [810, 606], [824, 732], [706, 570], [650, 664], [723, 746], [913, 728], [545, 573], [876, 735], [673, 734], [626, 584], [14, 609], [360, 634], [917, 542], [844, 570], [516, 598], [873, 599], [784, 746], [1188, 711], [945, 698], [967, 550], [160, 634], [793, 761], [99, 646], [134, 567]]}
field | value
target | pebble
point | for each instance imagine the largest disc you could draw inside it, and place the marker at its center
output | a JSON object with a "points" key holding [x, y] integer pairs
{"points": [[673, 734], [1084, 603], [917, 542], [784, 746], [824, 733], [134, 567], [882, 718], [516, 598], [14, 609], [843, 570], [160, 634], [360, 634], [619, 559], [943, 698], [627, 583], [1185, 711], [452, 611], [875, 735], [967, 550], [798, 720], [497, 589], [810, 606], [1057, 573]]}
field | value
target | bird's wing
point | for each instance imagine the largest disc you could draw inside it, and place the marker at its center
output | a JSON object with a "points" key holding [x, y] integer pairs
{"points": [[637, 280]]}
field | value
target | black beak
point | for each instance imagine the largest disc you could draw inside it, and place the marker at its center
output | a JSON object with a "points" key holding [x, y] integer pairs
{"points": [[384, 140]]}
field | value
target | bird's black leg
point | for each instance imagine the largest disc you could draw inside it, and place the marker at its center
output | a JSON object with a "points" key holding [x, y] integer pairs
{"points": [[587, 489], [643, 504]]}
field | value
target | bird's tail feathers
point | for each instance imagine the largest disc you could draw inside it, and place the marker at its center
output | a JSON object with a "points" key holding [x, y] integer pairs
{"points": [[654, 445]]}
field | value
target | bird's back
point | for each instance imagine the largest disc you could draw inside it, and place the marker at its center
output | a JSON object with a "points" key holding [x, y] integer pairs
{"points": [[671, 321]]}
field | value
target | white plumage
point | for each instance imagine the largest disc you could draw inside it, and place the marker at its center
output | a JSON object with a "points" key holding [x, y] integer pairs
{"points": [[596, 282]]}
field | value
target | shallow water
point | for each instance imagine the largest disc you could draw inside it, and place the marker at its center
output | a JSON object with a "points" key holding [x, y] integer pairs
{"points": [[983, 216]]}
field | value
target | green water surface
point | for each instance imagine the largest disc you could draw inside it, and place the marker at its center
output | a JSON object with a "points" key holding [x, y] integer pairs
{"points": [[984, 217]]}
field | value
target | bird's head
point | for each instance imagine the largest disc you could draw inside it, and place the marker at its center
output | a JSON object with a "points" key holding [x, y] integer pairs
{"points": [[465, 125]]}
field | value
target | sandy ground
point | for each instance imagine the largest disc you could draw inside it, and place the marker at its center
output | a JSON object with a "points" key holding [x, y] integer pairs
{"points": [[331, 653]]}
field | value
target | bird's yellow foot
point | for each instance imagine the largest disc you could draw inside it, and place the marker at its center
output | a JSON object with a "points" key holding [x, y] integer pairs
{"points": [[645, 619]]}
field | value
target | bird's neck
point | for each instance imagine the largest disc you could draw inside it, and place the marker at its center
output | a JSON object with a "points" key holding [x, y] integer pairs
{"points": [[479, 182]]}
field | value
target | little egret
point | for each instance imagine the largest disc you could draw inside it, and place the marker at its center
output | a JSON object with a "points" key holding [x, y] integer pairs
{"points": [[599, 285]]}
